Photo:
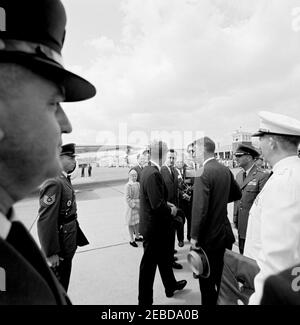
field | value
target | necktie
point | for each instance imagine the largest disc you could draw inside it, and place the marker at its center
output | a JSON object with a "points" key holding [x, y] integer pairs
{"points": [[9, 213], [69, 178], [172, 173], [244, 175]]}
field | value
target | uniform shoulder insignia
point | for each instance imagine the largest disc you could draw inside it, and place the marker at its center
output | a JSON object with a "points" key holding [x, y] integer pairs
{"points": [[49, 200]]}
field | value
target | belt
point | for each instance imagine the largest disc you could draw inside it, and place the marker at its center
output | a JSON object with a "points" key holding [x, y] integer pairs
{"points": [[69, 220]]}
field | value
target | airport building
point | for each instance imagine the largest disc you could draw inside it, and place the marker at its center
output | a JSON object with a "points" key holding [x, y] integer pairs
{"points": [[225, 152]]}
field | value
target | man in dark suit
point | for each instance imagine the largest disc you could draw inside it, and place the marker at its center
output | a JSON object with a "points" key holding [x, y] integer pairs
{"points": [[155, 226], [33, 83], [282, 288], [214, 188], [170, 176], [140, 165], [184, 200], [251, 180], [58, 229]]}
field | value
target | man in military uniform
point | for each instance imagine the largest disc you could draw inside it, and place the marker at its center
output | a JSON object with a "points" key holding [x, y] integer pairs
{"points": [[33, 83], [58, 228], [273, 233], [251, 180]]}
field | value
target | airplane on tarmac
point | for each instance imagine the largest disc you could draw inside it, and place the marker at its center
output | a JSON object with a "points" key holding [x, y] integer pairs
{"points": [[118, 155]]}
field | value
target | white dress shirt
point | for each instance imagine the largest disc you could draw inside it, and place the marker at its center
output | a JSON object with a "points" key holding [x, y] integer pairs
{"points": [[273, 233], [4, 226], [248, 170], [207, 160], [155, 164]]}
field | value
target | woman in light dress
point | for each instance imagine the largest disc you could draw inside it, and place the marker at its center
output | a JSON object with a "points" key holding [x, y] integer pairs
{"points": [[132, 195]]}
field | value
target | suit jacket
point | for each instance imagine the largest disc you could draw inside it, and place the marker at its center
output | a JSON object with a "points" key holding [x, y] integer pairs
{"points": [[28, 279], [250, 187], [155, 215], [139, 170], [212, 191], [282, 288], [171, 184]]}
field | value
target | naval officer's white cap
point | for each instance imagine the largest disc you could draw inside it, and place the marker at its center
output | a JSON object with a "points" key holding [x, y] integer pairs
{"points": [[272, 123]]}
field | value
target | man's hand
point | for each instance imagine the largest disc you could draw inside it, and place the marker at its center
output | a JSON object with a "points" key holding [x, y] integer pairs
{"points": [[186, 196], [169, 204], [173, 210], [54, 260], [193, 243]]}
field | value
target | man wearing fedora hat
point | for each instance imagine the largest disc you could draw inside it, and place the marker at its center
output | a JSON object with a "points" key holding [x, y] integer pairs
{"points": [[251, 180], [273, 233], [58, 229], [32, 85]]}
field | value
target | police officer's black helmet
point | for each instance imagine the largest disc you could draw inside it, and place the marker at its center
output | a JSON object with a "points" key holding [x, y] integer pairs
{"points": [[32, 34]]}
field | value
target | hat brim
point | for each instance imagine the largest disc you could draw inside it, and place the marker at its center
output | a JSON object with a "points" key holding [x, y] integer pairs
{"points": [[75, 87], [197, 257]]}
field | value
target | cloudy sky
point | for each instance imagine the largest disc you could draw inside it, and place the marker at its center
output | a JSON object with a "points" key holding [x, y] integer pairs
{"points": [[181, 66]]}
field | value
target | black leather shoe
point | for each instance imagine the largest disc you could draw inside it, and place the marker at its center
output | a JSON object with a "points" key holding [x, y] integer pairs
{"points": [[139, 239], [176, 266], [175, 258], [178, 286]]}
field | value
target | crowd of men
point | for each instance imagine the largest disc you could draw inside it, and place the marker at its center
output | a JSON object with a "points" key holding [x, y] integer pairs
{"points": [[267, 220], [267, 205]]}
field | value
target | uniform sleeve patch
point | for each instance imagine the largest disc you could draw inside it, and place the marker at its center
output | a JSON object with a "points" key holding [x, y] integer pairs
{"points": [[49, 200]]}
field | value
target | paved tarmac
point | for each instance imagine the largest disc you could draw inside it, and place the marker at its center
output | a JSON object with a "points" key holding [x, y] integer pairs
{"points": [[106, 271]]}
